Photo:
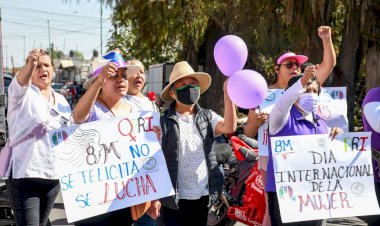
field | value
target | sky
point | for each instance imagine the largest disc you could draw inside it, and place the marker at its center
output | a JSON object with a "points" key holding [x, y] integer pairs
{"points": [[73, 25]]}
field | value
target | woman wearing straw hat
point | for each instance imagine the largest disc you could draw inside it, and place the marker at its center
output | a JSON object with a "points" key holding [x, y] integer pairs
{"points": [[104, 100], [188, 133]]}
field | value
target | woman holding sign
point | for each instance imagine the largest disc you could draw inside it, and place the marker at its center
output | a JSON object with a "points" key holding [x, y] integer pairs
{"points": [[33, 107], [293, 114], [288, 65], [104, 100]]}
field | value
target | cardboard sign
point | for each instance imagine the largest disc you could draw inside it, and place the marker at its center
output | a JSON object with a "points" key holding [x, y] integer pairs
{"points": [[108, 165], [317, 178], [332, 107]]}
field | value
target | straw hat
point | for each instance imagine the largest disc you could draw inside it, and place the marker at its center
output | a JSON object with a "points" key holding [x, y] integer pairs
{"points": [[183, 70], [101, 61]]}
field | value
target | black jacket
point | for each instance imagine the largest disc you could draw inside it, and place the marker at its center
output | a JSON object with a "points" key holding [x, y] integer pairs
{"points": [[170, 148]]}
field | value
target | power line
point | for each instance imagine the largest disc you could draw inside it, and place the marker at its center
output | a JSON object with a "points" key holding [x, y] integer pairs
{"points": [[52, 13], [59, 29]]}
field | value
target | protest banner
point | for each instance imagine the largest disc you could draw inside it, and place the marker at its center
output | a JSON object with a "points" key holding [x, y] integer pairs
{"points": [[317, 178], [332, 107], [111, 164]]}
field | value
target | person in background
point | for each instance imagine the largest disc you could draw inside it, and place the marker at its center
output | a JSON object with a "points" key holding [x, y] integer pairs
{"points": [[294, 114], [287, 65], [73, 94], [104, 100], [140, 102], [31, 180], [371, 123], [136, 84], [188, 132]]}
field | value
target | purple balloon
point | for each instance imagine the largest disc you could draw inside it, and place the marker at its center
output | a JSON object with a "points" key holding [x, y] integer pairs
{"points": [[247, 89], [230, 54]]}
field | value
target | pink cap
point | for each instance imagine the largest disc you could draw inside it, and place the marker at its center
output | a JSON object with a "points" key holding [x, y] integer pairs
{"points": [[300, 58]]}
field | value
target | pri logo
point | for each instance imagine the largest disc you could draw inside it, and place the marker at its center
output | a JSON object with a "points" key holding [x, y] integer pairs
{"points": [[58, 137], [337, 94], [286, 192]]}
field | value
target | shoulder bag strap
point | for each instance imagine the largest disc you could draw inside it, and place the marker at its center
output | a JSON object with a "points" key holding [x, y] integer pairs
{"points": [[40, 128]]}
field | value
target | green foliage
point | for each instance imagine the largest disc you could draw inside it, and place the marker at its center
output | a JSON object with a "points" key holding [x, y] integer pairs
{"points": [[157, 31]]}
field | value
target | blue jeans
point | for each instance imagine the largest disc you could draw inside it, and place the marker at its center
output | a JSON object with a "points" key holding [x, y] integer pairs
{"points": [[145, 220], [32, 199]]}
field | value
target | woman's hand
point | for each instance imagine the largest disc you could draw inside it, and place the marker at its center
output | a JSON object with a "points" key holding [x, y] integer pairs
{"points": [[324, 32], [157, 130], [335, 131], [262, 117], [33, 55], [154, 209], [309, 73], [107, 71]]}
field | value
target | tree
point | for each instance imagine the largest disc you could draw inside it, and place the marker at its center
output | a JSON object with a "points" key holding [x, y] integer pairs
{"points": [[176, 30]]}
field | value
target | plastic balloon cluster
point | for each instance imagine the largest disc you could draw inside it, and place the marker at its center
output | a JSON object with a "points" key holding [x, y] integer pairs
{"points": [[246, 88]]}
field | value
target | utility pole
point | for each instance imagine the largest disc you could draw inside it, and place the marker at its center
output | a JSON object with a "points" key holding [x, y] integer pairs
{"points": [[101, 27], [3, 99], [49, 39], [1, 57], [24, 47], [6, 57], [13, 66]]}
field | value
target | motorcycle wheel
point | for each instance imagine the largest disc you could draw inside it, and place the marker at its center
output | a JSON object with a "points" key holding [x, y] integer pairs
{"points": [[217, 215]]}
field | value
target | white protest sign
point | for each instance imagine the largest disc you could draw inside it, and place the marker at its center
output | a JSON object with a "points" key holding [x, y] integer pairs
{"points": [[266, 106], [320, 179], [332, 107], [111, 164]]}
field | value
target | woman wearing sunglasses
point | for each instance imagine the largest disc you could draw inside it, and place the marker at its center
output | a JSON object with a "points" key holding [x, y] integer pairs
{"points": [[292, 115], [33, 105], [287, 66]]}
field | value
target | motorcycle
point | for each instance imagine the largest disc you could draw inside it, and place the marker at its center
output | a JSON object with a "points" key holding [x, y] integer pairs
{"points": [[242, 198]]}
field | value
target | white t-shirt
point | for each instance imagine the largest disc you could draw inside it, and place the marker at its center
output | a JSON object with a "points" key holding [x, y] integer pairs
{"points": [[142, 103], [26, 109], [192, 166]]}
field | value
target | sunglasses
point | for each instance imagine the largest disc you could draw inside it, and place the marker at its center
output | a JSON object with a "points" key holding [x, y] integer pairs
{"points": [[290, 65], [54, 113]]}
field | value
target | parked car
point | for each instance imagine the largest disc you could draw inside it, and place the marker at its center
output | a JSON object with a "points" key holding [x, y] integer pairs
{"points": [[7, 81], [57, 86]]}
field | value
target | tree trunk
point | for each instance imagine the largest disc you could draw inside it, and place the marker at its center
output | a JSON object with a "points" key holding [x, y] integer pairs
{"points": [[348, 63], [213, 97], [372, 68], [192, 54]]}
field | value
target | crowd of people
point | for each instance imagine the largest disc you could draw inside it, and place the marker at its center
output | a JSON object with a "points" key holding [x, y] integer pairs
{"points": [[186, 132]]}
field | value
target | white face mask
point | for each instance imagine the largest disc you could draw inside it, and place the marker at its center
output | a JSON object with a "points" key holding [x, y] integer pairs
{"points": [[308, 102]]}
